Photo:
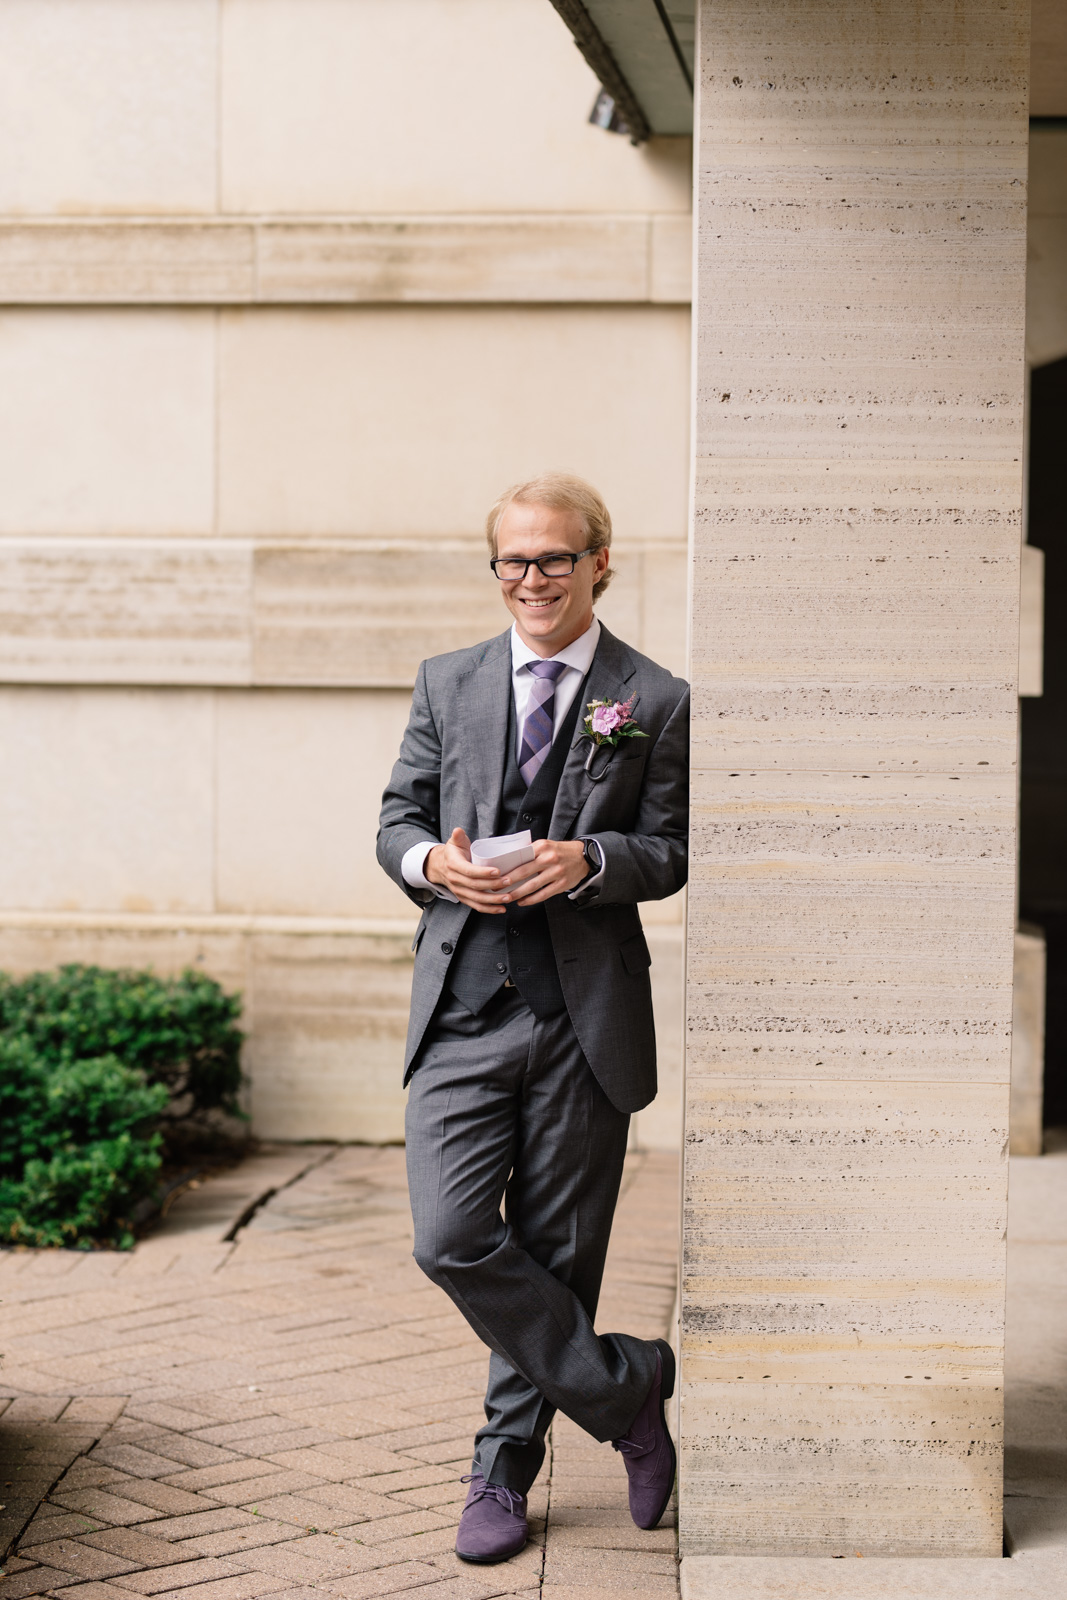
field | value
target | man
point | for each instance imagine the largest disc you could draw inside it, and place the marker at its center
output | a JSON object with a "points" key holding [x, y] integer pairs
{"points": [[531, 1038]]}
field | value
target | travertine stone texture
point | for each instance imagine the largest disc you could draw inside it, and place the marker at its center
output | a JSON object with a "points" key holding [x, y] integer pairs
{"points": [[524, 258], [337, 614], [861, 232], [142, 611]]}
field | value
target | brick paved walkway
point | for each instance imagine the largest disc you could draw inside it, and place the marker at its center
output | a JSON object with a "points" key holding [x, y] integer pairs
{"points": [[288, 1412]]}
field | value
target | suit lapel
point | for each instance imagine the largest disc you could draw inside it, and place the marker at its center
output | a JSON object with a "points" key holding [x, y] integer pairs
{"points": [[483, 703], [612, 668]]}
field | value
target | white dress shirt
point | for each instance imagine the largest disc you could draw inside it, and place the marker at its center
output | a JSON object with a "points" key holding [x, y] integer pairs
{"points": [[578, 657]]}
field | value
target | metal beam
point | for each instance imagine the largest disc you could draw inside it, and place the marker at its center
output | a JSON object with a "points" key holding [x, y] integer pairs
{"points": [[642, 53]]}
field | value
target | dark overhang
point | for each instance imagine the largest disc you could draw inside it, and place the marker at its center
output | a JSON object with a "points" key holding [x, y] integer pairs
{"points": [[642, 52]]}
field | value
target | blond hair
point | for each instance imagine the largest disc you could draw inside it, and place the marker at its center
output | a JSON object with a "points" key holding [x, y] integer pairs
{"points": [[562, 491]]}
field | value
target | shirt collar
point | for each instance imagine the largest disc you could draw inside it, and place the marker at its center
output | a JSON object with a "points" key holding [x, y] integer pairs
{"points": [[578, 654]]}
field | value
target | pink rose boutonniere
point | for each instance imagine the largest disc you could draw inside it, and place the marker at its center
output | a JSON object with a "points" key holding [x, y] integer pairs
{"points": [[608, 721]]}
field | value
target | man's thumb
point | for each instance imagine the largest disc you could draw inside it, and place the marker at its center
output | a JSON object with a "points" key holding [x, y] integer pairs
{"points": [[460, 840]]}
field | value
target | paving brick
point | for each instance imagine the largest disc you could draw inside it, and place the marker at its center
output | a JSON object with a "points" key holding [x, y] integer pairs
{"points": [[36, 1408], [166, 1416], [340, 1459], [406, 1525], [130, 1458], [401, 1579], [235, 1540], [96, 1591], [157, 1496], [65, 1526], [254, 1489], [72, 1555], [86, 1474], [144, 1549], [245, 1586], [94, 1408], [415, 1478], [113, 1509], [235, 1471], [180, 1575], [289, 1562], [452, 1493], [179, 1447], [34, 1580], [219, 1519]]}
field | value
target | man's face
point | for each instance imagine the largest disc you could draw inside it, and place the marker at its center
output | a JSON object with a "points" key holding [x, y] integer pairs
{"points": [[550, 613]]}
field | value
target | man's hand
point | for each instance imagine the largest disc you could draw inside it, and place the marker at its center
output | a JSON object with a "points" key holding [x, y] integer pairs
{"points": [[450, 865], [559, 865]]}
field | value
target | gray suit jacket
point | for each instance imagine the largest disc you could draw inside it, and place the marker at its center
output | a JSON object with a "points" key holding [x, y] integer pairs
{"points": [[449, 775]]}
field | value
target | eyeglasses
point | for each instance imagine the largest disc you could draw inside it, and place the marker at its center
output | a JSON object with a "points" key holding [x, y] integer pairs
{"points": [[511, 568]]}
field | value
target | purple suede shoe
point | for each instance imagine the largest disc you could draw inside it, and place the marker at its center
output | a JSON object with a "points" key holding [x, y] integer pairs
{"points": [[646, 1447], [493, 1525]]}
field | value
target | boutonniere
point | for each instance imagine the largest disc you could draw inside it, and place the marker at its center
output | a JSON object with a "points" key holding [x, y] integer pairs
{"points": [[606, 722]]}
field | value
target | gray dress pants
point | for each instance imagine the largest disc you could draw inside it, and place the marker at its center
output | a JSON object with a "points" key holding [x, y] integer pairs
{"points": [[504, 1107]]}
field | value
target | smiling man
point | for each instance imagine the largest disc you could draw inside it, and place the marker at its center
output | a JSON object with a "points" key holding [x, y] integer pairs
{"points": [[531, 1039]]}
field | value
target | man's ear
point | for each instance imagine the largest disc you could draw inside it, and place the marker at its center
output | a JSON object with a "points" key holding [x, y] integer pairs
{"points": [[602, 560]]}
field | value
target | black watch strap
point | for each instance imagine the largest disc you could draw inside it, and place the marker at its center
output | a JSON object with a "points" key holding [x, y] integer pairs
{"points": [[593, 858]]}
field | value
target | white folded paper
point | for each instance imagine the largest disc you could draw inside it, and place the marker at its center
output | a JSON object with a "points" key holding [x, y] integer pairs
{"points": [[504, 852]]}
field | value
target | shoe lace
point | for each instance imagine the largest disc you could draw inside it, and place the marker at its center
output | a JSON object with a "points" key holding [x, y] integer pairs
{"points": [[508, 1498], [627, 1447]]}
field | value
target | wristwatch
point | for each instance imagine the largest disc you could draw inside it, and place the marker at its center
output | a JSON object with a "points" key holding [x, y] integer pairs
{"points": [[594, 860]]}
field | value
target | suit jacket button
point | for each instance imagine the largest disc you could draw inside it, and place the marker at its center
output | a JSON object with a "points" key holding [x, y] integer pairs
{"points": [[501, 966], [527, 816], [446, 948]]}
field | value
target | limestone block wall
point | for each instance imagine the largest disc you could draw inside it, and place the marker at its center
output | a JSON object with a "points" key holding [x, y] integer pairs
{"points": [[855, 581], [289, 289]]}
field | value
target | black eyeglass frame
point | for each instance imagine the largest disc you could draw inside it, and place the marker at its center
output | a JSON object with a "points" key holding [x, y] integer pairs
{"points": [[535, 561]]}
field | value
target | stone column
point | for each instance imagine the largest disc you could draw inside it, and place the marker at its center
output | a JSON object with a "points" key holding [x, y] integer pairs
{"points": [[861, 184]]}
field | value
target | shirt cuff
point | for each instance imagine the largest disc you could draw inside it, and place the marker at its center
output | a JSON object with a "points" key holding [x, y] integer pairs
{"points": [[595, 879], [412, 866]]}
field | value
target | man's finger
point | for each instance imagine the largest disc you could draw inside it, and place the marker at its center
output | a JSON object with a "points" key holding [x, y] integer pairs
{"points": [[521, 896], [466, 873]]}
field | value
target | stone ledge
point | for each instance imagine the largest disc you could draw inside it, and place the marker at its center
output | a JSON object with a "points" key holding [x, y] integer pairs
{"points": [[243, 613], [548, 258], [1030, 1577]]}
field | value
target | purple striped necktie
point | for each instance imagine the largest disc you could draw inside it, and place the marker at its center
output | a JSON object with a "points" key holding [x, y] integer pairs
{"points": [[540, 711]]}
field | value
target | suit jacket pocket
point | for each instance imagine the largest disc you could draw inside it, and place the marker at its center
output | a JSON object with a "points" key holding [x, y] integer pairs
{"points": [[635, 956]]}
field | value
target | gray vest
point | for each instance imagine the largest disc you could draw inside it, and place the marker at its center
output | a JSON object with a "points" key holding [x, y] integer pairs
{"points": [[517, 945]]}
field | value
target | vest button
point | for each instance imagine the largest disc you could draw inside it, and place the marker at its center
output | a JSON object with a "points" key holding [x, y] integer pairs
{"points": [[514, 932], [501, 966], [446, 948]]}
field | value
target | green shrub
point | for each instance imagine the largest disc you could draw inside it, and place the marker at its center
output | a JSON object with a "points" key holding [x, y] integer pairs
{"points": [[181, 1032], [93, 1065], [77, 1150]]}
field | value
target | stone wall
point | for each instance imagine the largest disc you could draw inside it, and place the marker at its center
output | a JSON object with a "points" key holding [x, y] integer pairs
{"points": [[861, 234], [290, 289]]}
